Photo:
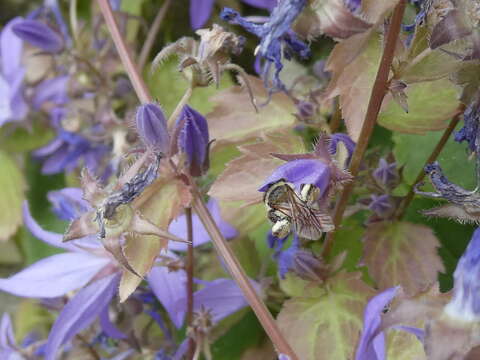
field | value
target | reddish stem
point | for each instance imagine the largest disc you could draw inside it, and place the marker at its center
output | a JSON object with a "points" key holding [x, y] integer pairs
{"points": [[189, 268]]}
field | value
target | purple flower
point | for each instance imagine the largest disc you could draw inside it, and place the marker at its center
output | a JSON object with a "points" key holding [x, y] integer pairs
{"points": [[40, 35], [178, 227], [353, 5], [54, 90], [152, 127], [469, 131], [285, 258], [12, 103], [349, 144], [372, 340], [192, 139], [278, 40], [200, 10], [465, 304], [8, 345], [68, 203], [385, 173], [381, 205]]}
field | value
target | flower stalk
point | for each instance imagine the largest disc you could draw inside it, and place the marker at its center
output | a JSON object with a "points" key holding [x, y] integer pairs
{"points": [[221, 245], [379, 90], [189, 269]]}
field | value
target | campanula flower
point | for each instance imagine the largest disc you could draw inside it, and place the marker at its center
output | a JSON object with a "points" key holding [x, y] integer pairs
{"points": [[284, 257], [151, 126], [278, 40], [469, 131], [40, 35], [178, 227], [191, 138], [52, 91], [12, 103], [465, 304], [201, 10]]}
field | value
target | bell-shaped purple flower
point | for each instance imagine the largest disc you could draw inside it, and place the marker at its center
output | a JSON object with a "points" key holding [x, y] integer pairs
{"points": [[301, 171], [40, 35], [152, 127], [191, 138], [465, 304]]}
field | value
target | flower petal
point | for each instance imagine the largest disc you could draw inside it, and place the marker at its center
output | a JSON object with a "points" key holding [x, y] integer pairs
{"points": [[7, 338], [108, 327], [200, 11], [178, 227], [51, 90], [80, 312], [54, 276], [170, 289], [12, 45]]}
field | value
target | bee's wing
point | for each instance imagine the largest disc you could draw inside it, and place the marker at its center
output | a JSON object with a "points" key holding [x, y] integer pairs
{"points": [[308, 222]]}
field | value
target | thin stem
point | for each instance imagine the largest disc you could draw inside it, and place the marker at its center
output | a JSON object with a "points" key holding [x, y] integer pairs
{"points": [[180, 105], [138, 84], [189, 268], [433, 156], [147, 45], [221, 245], [237, 272], [379, 90], [73, 19], [336, 117]]}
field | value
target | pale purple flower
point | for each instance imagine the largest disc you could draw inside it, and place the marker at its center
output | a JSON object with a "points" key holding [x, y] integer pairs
{"points": [[469, 131], [12, 103], [53, 90], [381, 205], [385, 173], [345, 140], [372, 340], [201, 10], [278, 40], [191, 138], [152, 127], [8, 345], [465, 304], [286, 258], [68, 203], [178, 227], [39, 34]]}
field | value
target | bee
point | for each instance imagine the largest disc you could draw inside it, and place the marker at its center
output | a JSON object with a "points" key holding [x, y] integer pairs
{"points": [[289, 211]]}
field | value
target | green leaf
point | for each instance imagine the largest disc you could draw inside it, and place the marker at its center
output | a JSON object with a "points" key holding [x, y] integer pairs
{"points": [[168, 85], [430, 105], [326, 326], [402, 345], [13, 188], [411, 152], [21, 139], [402, 253]]}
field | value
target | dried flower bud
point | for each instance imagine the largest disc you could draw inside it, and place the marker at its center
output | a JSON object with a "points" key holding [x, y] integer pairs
{"points": [[191, 138], [465, 304], [152, 127], [40, 35]]}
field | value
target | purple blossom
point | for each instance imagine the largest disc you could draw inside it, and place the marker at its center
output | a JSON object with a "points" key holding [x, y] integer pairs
{"points": [[54, 90], [192, 139], [178, 227], [353, 5], [285, 258], [39, 34], [201, 10], [152, 127], [381, 205], [278, 40], [385, 173], [68, 203], [8, 345], [372, 340], [465, 304], [12, 103], [469, 131]]}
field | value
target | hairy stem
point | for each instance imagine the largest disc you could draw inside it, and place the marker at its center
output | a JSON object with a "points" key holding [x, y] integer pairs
{"points": [[189, 268], [221, 245], [379, 90], [125, 55], [183, 101], [433, 156], [147, 45]]}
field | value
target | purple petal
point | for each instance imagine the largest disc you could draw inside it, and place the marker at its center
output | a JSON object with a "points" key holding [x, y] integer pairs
{"points": [[54, 276], [80, 312], [170, 289], [68, 203], [152, 127], [7, 337], [181, 351], [222, 297], [5, 103], [50, 148], [262, 4], [108, 327], [302, 171], [372, 343], [419, 333], [200, 235], [52, 90], [12, 45], [200, 11], [39, 34]]}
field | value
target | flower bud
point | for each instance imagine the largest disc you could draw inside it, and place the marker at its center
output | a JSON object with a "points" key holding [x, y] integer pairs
{"points": [[192, 139], [152, 127], [40, 35], [381, 205], [465, 304], [309, 267], [385, 173]]}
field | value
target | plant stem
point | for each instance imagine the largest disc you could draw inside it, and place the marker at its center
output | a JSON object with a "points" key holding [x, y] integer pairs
{"points": [[189, 268], [379, 90], [183, 101], [237, 272], [124, 53], [147, 45], [433, 156], [221, 245]]}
